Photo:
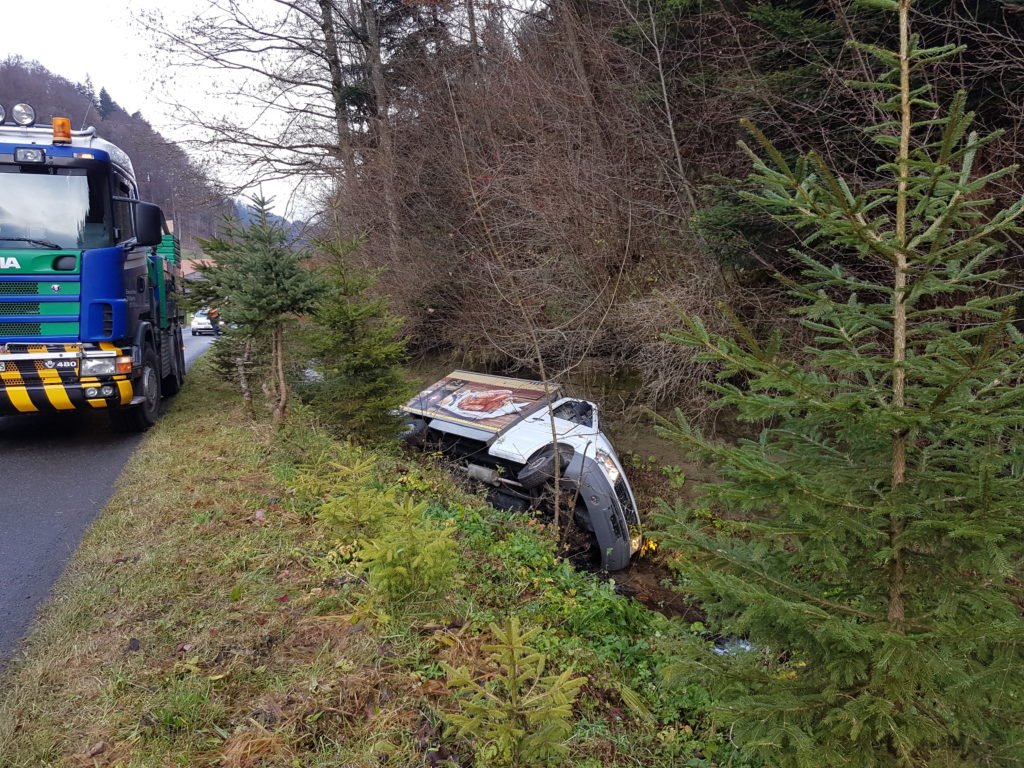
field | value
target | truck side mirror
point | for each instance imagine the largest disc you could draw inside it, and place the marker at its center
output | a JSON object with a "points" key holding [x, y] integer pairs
{"points": [[148, 224]]}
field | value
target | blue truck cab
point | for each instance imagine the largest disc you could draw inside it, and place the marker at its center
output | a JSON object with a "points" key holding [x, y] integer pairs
{"points": [[89, 278]]}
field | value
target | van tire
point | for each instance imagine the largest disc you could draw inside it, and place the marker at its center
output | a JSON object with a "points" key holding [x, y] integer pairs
{"points": [[541, 466], [416, 433]]}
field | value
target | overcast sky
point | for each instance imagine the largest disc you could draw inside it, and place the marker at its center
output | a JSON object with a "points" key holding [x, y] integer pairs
{"points": [[101, 40], [98, 39]]}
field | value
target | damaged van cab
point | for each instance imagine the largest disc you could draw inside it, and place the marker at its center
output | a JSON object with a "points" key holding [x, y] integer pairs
{"points": [[501, 431]]}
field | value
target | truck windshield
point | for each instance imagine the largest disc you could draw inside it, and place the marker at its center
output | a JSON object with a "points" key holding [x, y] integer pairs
{"points": [[45, 207]]}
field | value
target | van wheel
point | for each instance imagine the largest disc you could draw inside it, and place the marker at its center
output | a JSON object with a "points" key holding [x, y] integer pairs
{"points": [[415, 433], [139, 418], [541, 466]]}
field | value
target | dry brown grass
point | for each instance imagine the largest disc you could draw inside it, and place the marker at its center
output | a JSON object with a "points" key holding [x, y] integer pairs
{"points": [[183, 632], [250, 749], [208, 621]]}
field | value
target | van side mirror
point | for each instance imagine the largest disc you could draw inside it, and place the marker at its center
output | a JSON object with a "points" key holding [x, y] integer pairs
{"points": [[148, 224]]}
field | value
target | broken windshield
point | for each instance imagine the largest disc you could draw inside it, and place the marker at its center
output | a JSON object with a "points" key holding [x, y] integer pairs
{"points": [[44, 207]]}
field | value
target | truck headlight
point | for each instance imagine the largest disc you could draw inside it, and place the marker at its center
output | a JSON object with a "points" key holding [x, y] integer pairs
{"points": [[23, 114], [106, 366], [608, 465], [98, 366], [29, 155]]}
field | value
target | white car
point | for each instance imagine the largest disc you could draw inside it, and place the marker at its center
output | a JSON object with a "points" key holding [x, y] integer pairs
{"points": [[201, 323], [501, 430]]}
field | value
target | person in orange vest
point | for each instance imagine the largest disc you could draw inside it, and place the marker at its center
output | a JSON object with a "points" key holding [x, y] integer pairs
{"points": [[214, 317]]}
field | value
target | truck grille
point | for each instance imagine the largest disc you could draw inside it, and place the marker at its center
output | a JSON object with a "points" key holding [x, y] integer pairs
{"points": [[55, 315], [19, 289], [21, 308], [20, 329], [28, 371]]}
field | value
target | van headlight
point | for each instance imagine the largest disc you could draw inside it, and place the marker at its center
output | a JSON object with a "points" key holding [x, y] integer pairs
{"points": [[608, 464]]}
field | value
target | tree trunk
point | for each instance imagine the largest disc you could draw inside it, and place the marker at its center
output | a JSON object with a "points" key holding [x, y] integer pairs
{"points": [[281, 406], [474, 43], [684, 179], [241, 363], [897, 614], [345, 153], [572, 25], [385, 143]]}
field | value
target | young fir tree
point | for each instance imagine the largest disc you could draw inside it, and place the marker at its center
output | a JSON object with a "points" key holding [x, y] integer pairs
{"points": [[259, 281], [360, 349], [868, 543]]}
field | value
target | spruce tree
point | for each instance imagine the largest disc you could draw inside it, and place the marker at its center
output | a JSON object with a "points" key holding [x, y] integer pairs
{"points": [[867, 543], [259, 281], [106, 105], [359, 348]]}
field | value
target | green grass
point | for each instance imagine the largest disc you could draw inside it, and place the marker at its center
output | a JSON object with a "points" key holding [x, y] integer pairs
{"points": [[211, 618]]}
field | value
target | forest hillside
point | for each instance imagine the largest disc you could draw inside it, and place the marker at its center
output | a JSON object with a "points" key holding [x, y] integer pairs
{"points": [[564, 176], [167, 175]]}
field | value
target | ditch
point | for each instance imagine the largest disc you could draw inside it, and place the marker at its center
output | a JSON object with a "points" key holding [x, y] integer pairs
{"points": [[657, 469]]}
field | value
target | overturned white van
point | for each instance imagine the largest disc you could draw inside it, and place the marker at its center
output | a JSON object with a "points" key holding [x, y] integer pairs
{"points": [[501, 431]]}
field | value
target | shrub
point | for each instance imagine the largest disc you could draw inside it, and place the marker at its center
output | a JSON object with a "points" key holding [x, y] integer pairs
{"points": [[412, 560], [520, 716]]}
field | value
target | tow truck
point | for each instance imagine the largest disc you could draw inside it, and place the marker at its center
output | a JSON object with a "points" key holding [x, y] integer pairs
{"points": [[89, 278]]}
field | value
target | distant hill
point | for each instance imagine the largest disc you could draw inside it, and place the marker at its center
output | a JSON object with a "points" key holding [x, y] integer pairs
{"points": [[166, 174], [243, 212]]}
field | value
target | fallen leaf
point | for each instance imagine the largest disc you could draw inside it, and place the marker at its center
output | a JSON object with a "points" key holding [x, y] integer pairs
{"points": [[97, 749], [437, 755]]}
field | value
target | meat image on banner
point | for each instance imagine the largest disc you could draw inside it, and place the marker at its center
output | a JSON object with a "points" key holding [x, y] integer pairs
{"points": [[483, 401]]}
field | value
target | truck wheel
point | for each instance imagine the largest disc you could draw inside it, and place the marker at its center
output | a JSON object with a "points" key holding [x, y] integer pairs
{"points": [[182, 367], [171, 384], [541, 466], [139, 418]]}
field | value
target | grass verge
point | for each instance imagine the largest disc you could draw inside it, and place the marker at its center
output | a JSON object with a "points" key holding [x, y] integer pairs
{"points": [[250, 599]]}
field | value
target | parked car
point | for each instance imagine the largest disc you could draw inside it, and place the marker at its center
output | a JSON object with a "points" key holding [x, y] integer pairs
{"points": [[501, 431], [201, 323]]}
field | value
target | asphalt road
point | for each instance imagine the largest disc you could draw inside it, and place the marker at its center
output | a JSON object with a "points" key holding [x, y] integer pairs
{"points": [[57, 473]]}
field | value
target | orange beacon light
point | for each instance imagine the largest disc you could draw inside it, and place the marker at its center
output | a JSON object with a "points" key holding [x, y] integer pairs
{"points": [[61, 130]]}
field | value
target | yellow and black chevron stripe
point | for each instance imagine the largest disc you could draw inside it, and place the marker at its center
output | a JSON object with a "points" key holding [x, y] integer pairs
{"points": [[30, 386]]}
